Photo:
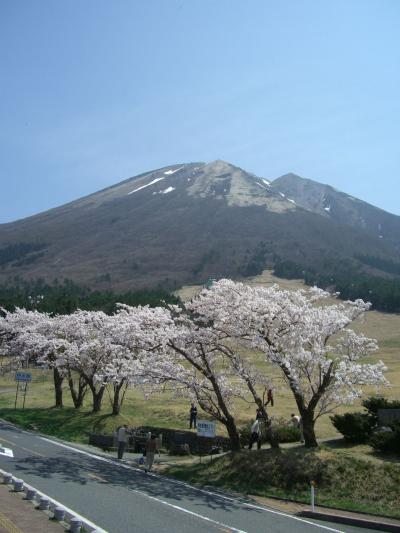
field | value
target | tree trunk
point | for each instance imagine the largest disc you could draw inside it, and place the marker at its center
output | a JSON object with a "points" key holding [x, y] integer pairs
{"points": [[258, 401], [118, 399], [58, 379], [233, 433], [307, 412], [272, 436], [308, 429], [77, 396], [97, 397]]}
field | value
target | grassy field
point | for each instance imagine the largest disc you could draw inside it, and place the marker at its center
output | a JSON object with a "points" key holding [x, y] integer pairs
{"points": [[166, 411], [384, 327], [343, 480]]}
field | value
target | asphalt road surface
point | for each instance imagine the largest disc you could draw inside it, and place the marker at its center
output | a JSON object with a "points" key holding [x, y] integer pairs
{"points": [[123, 499]]}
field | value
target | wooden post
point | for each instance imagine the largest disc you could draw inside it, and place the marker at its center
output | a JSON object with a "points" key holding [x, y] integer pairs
{"points": [[16, 396], [26, 386]]}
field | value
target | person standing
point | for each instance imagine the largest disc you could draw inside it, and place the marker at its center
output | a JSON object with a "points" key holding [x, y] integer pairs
{"points": [[297, 423], [193, 416], [270, 398], [122, 438], [255, 434], [151, 449]]}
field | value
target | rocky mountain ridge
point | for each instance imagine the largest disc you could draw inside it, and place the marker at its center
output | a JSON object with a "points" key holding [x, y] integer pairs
{"points": [[185, 222]]}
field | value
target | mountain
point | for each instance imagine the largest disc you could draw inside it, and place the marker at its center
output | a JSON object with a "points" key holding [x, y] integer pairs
{"points": [[339, 207], [185, 222]]}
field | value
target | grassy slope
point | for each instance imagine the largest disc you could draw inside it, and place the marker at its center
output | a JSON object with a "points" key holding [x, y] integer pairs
{"points": [[348, 477], [342, 480], [167, 411]]}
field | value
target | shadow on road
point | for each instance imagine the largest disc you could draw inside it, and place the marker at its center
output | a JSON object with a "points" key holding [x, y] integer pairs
{"points": [[74, 468]]}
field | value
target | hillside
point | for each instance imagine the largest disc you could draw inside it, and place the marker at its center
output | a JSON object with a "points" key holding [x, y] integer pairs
{"points": [[183, 223], [339, 207]]}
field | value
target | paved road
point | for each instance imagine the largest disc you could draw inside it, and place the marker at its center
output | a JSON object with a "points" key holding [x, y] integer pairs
{"points": [[123, 499]]}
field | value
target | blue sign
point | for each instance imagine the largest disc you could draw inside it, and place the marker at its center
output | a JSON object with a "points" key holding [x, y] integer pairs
{"points": [[23, 376]]}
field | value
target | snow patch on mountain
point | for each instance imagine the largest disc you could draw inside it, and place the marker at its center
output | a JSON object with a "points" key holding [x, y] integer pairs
{"points": [[148, 185], [170, 171], [165, 191]]}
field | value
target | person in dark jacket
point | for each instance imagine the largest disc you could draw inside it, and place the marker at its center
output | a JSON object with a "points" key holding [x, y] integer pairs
{"points": [[193, 416]]}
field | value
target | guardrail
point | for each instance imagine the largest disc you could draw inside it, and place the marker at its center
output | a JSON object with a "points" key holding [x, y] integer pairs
{"points": [[43, 502]]}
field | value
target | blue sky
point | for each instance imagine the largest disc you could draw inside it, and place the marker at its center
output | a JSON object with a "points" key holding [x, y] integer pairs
{"points": [[95, 91]]}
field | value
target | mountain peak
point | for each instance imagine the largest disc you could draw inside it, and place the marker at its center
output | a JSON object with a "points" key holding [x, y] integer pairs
{"points": [[186, 222], [291, 175], [223, 181], [219, 166]]}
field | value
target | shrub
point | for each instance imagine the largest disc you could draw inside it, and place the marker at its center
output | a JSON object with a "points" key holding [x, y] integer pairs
{"points": [[244, 433], [387, 442], [285, 432], [282, 432], [355, 427], [373, 403]]}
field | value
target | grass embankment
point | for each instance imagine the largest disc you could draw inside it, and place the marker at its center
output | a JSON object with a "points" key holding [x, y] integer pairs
{"points": [[350, 478], [342, 481], [67, 423]]}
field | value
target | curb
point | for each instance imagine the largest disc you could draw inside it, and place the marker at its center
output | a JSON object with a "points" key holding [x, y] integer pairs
{"points": [[44, 503], [351, 521]]}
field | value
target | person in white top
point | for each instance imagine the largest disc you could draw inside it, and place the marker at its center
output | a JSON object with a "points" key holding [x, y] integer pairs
{"points": [[297, 423], [255, 434], [122, 437]]}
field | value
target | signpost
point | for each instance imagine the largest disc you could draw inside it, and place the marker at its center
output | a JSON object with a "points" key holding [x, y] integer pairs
{"points": [[23, 377], [205, 428]]}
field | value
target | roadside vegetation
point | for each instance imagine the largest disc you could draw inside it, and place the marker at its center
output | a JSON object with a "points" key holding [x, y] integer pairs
{"points": [[346, 480], [348, 475]]}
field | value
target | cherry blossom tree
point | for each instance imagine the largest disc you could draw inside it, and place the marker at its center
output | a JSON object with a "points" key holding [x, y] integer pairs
{"points": [[88, 351], [138, 336], [30, 337], [194, 362], [240, 366], [195, 368], [306, 337]]}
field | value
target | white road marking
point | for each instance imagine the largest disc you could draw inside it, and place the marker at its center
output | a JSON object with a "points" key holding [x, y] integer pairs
{"points": [[208, 492], [7, 452], [230, 528], [254, 506]]}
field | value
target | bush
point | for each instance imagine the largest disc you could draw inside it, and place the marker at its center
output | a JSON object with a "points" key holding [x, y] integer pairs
{"points": [[387, 442], [355, 427], [285, 432], [244, 434], [180, 449], [282, 431], [372, 405]]}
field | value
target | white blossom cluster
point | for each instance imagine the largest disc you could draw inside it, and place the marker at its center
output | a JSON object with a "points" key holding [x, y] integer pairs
{"points": [[197, 350]]}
